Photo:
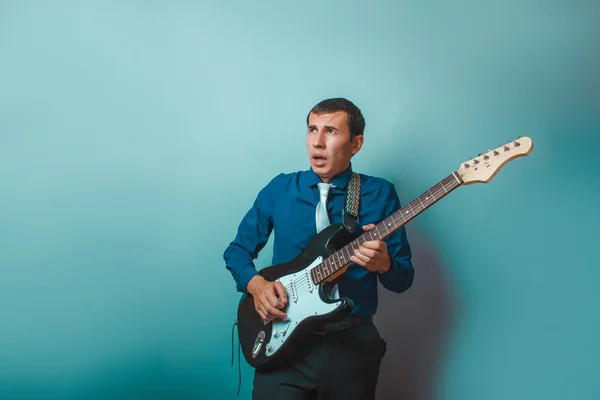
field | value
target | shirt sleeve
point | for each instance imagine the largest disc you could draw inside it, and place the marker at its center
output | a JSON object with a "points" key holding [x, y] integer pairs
{"points": [[252, 235], [400, 275]]}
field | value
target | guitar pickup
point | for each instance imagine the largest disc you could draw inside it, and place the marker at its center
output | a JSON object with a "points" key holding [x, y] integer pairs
{"points": [[293, 292]]}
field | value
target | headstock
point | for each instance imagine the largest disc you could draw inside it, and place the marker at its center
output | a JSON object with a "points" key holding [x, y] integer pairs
{"points": [[485, 166]]}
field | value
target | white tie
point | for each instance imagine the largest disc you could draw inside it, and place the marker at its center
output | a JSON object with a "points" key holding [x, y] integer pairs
{"points": [[323, 221], [321, 215]]}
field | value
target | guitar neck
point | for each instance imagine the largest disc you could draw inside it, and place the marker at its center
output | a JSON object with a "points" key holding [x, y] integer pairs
{"points": [[341, 258]]}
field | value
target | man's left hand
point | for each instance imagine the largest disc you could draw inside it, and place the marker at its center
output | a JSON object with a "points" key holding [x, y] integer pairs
{"points": [[373, 254]]}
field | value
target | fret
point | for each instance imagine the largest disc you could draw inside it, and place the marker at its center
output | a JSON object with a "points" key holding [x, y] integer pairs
{"points": [[385, 225], [411, 210], [351, 249], [332, 265], [343, 261], [343, 254], [395, 219], [400, 213], [391, 223], [392, 219], [336, 266], [375, 234], [430, 200], [442, 185], [348, 250], [431, 197], [432, 194], [406, 213]]}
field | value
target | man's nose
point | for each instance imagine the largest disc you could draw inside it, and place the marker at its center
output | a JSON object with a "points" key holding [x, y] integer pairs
{"points": [[319, 141]]}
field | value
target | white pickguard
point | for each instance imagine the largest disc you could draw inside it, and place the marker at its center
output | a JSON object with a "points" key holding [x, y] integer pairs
{"points": [[303, 302]]}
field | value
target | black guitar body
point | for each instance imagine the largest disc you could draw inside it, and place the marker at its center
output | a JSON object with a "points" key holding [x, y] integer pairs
{"points": [[255, 336]]}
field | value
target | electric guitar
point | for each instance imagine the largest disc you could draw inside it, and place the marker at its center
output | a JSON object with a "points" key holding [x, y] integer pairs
{"points": [[310, 277]]}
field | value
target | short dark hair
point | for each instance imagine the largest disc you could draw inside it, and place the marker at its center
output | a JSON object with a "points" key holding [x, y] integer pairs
{"points": [[356, 121]]}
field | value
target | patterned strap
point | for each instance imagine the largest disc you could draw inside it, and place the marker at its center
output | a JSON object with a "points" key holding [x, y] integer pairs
{"points": [[353, 195], [352, 204]]}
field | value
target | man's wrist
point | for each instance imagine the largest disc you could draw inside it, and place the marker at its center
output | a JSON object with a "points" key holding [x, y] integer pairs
{"points": [[253, 283]]}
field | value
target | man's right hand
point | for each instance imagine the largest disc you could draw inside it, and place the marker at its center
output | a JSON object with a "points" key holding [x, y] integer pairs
{"points": [[269, 298]]}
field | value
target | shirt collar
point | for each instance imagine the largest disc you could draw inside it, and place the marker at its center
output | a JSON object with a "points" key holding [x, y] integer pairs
{"points": [[340, 180]]}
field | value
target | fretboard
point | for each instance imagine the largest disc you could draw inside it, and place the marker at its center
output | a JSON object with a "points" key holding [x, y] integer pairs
{"points": [[385, 228]]}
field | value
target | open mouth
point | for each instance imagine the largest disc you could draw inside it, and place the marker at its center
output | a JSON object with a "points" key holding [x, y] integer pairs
{"points": [[318, 160]]}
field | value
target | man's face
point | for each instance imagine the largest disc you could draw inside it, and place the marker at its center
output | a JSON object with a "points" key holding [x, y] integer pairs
{"points": [[329, 145]]}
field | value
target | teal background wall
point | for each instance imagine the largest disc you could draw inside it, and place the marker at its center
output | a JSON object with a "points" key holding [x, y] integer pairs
{"points": [[135, 135]]}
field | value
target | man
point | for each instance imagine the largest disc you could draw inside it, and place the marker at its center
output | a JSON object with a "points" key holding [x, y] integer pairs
{"points": [[339, 361]]}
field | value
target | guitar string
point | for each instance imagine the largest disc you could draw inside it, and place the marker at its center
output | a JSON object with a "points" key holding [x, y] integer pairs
{"points": [[302, 282]]}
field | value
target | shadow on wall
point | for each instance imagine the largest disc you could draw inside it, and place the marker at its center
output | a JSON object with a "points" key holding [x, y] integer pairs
{"points": [[415, 325]]}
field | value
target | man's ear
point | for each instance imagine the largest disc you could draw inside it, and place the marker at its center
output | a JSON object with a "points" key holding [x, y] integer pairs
{"points": [[357, 143]]}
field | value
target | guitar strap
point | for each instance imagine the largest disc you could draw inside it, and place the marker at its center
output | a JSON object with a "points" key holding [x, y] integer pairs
{"points": [[352, 203]]}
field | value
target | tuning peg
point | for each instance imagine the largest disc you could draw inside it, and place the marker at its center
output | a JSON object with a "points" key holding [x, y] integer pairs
{"points": [[475, 161], [496, 152], [467, 165], [506, 148], [486, 157], [517, 144]]}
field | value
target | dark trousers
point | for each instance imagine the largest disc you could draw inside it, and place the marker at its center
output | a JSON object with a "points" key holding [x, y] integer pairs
{"points": [[341, 364]]}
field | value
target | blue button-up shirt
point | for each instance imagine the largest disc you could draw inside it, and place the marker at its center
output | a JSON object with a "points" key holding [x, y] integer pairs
{"points": [[287, 205]]}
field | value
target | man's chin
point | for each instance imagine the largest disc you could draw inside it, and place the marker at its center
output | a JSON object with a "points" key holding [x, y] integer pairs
{"points": [[320, 170], [323, 173]]}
